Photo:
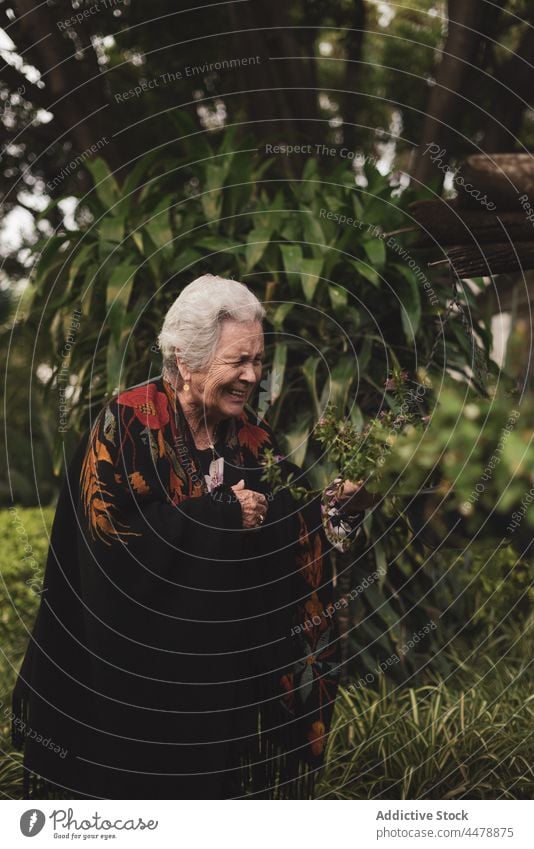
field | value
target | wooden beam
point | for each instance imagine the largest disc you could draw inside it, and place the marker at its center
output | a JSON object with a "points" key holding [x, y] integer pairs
{"points": [[445, 223], [502, 177], [497, 258]]}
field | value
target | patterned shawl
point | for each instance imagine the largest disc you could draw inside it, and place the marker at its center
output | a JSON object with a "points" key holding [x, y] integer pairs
{"points": [[176, 654]]}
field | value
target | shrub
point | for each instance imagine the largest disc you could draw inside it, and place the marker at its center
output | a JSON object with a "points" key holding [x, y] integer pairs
{"points": [[469, 736], [24, 533]]}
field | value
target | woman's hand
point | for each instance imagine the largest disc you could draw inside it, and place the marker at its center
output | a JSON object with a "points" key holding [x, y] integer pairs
{"points": [[354, 497], [253, 505]]}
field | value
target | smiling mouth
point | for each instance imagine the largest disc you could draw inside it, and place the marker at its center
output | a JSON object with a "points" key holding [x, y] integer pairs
{"points": [[237, 394]]}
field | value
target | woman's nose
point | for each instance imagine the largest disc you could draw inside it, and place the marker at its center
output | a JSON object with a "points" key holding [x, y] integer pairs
{"points": [[248, 374]]}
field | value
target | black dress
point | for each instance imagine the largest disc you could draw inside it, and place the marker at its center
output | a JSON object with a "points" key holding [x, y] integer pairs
{"points": [[164, 658]]}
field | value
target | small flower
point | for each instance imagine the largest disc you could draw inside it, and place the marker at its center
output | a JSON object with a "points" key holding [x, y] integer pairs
{"points": [[396, 381], [471, 411]]}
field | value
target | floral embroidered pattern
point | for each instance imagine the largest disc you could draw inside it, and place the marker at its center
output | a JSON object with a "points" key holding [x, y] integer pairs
{"points": [[97, 495], [252, 437], [151, 406], [134, 455]]}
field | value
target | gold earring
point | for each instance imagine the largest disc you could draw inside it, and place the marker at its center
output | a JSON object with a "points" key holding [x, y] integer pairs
{"points": [[186, 387]]}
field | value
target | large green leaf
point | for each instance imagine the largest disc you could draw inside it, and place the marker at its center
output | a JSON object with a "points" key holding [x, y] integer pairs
{"points": [[376, 252], [310, 273], [106, 186], [114, 364], [338, 384], [53, 254], [296, 441], [118, 295], [257, 243], [212, 197], [158, 224], [366, 271], [85, 253], [338, 296], [292, 262], [292, 259], [279, 367], [139, 170], [410, 298], [280, 314], [111, 228], [309, 370]]}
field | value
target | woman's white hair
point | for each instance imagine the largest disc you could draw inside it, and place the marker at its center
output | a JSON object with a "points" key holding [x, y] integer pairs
{"points": [[192, 326]]}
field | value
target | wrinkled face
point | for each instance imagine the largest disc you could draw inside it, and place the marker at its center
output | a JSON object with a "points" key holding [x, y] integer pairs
{"points": [[224, 387]]}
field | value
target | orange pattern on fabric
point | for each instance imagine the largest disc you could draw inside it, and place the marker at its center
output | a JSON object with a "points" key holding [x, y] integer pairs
{"points": [[176, 487], [310, 558], [96, 499], [139, 484], [252, 437], [313, 606], [316, 738]]}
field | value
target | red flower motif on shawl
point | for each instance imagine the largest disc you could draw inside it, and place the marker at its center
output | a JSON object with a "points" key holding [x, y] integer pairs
{"points": [[252, 437], [151, 407]]}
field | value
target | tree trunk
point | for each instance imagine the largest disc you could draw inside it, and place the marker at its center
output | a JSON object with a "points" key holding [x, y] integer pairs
{"points": [[444, 103], [511, 95], [74, 89], [353, 48], [280, 91]]}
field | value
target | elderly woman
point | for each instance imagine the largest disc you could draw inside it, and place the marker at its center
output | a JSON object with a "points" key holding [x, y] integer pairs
{"points": [[185, 645]]}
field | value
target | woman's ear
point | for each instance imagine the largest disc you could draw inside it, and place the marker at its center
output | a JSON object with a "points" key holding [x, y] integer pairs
{"points": [[183, 371]]}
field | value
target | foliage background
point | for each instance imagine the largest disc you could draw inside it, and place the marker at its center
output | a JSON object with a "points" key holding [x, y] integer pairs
{"points": [[181, 184]]}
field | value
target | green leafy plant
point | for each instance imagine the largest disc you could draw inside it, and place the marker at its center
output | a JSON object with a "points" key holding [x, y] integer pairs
{"points": [[345, 308], [467, 736], [342, 302], [24, 533]]}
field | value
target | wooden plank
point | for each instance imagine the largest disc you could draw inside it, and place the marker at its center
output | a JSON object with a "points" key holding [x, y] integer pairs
{"points": [[442, 223], [502, 177], [498, 258]]}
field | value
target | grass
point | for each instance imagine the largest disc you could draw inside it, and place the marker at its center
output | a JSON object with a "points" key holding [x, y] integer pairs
{"points": [[469, 737], [24, 535]]}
